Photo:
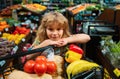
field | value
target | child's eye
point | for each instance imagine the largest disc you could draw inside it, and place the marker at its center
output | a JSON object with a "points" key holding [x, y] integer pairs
{"points": [[59, 29], [50, 29]]}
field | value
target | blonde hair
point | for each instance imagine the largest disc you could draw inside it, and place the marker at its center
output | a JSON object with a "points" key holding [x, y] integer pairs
{"points": [[47, 20]]}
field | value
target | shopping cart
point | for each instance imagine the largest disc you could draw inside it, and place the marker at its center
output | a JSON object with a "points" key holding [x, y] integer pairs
{"points": [[95, 73]]}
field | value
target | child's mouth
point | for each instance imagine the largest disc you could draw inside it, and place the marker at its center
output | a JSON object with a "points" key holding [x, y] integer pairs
{"points": [[55, 38]]}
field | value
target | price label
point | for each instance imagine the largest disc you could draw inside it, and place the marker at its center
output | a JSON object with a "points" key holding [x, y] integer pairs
{"points": [[2, 63], [117, 72], [23, 40], [14, 50], [31, 31], [6, 29], [29, 13]]}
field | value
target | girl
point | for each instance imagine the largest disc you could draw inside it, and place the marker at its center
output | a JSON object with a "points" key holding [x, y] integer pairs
{"points": [[54, 30]]}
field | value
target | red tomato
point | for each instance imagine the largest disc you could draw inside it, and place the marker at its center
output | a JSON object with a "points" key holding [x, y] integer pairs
{"points": [[29, 66], [41, 58], [15, 32], [51, 67], [40, 68]]}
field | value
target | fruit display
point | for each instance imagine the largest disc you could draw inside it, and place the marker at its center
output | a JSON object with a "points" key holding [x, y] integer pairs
{"points": [[3, 25], [78, 8], [21, 30], [11, 21], [11, 37], [17, 34], [37, 8], [8, 10], [95, 7], [6, 47]]}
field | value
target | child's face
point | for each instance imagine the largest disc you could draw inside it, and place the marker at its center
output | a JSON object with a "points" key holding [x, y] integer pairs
{"points": [[54, 32]]}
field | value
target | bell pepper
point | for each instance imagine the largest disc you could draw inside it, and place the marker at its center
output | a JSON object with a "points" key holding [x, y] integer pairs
{"points": [[76, 49], [71, 56]]}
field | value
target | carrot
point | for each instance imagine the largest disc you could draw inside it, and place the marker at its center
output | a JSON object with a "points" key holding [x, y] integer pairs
{"points": [[75, 11]]}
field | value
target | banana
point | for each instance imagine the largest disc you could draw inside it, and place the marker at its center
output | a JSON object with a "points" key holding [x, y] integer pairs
{"points": [[83, 67], [72, 66]]}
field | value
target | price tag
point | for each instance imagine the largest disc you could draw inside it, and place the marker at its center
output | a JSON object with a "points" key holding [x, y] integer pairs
{"points": [[29, 13], [117, 72], [0, 33], [6, 29], [2, 63], [14, 50], [31, 31], [93, 14], [23, 40], [21, 13]]}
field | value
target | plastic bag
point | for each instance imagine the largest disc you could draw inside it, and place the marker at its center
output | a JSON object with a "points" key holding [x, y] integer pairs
{"points": [[49, 54]]}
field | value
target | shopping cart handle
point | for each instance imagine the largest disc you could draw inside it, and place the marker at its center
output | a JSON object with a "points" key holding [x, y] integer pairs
{"points": [[25, 53]]}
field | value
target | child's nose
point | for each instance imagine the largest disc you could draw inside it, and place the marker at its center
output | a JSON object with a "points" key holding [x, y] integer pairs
{"points": [[55, 32]]}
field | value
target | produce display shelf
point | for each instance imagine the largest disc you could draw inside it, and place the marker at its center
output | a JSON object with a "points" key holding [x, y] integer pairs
{"points": [[9, 58], [107, 64]]}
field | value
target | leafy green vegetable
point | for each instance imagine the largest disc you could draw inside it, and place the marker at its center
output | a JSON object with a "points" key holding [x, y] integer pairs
{"points": [[113, 46]]}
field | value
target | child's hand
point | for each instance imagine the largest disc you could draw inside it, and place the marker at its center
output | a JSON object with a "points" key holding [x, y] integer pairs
{"points": [[59, 43], [48, 42], [62, 42]]}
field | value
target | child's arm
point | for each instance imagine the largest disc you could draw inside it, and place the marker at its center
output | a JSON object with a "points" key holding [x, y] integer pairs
{"points": [[46, 43], [78, 38]]}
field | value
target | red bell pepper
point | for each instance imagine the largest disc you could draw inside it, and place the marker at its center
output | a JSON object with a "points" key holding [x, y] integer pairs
{"points": [[76, 49]]}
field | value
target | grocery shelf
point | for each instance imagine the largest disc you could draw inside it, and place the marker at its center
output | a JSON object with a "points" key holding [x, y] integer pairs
{"points": [[106, 63]]}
